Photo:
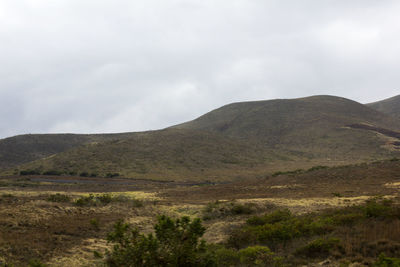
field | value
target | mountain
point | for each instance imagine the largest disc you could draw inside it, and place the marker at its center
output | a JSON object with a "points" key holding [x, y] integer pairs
{"points": [[25, 148], [238, 140], [389, 106], [320, 125]]}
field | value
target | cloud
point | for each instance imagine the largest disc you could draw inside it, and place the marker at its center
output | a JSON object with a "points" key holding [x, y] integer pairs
{"points": [[111, 66]]}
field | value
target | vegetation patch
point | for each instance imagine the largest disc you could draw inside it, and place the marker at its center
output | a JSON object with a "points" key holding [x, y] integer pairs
{"points": [[59, 198], [219, 209], [105, 199]]}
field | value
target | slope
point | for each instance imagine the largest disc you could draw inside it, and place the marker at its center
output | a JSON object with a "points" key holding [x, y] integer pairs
{"points": [[390, 106], [241, 140], [162, 155], [317, 125], [25, 148]]}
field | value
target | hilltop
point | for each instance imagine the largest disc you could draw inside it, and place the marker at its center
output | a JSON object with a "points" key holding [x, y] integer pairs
{"points": [[390, 106], [240, 140]]}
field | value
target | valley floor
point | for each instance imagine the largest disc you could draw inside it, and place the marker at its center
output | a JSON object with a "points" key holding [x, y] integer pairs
{"points": [[60, 221]]}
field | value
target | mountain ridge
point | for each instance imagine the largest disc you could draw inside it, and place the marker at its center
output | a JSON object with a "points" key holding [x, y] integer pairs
{"points": [[239, 139]]}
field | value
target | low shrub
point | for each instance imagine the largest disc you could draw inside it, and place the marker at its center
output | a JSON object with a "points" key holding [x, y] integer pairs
{"points": [[219, 209], [84, 174], [112, 175], [105, 199], [59, 198], [256, 255], [53, 172], [30, 172], [384, 261], [319, 247], [378, 208]]}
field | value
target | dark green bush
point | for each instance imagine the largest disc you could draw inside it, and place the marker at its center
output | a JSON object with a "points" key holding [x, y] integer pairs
{"points": [[30, 172], [84, 174], [105, 199], [219, 209], [111, 175], [319, 248], [315, 168], [378, 209], [59, 198], [256, 255], [384, 261], [52, 172], [85, 201], [175, 243]]}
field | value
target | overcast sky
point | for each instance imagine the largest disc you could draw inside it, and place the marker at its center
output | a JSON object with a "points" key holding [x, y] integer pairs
{"points": [[89, 66]]}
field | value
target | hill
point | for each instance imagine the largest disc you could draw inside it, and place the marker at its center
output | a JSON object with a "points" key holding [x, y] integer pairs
{"points": [[25, 148], [319, 125], [239, 140], [163, 155], [390, 106]]}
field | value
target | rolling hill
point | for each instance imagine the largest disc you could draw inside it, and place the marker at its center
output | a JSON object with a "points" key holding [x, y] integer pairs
{"points": [[21, 149], [317, 125], [239, 140], [163, 155], [390, 106]]}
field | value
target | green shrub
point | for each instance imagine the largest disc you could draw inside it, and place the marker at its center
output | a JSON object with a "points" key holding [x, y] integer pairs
{"points": [[378, 209], [256, 255], [52, 172], [384, 261], [59, 198], [105, 199], [95, 224], [271, 218], [84, 174], [175, 243], [36, 263], [219, 209], [111, 175], [85, 201], [319, 247], [30, 172], [226, 256], [315, 168]]}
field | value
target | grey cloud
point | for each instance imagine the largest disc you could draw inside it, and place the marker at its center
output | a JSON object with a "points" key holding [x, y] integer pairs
{"points": [[110, 66]]}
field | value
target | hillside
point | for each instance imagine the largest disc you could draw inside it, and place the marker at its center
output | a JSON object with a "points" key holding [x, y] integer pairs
{"points": [[163, 155], [316, 125], [390, 106], [25, 148], [248, 139]]}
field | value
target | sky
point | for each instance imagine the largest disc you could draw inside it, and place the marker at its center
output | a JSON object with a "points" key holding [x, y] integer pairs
{"points": [[93, 66]]}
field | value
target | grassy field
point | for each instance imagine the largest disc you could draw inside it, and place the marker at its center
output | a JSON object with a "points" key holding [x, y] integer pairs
{"points": [[61, 221]]}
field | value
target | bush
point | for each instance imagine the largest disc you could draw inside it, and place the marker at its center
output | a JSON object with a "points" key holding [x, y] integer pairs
{"points": [[219, 209], [95, 224], [384, 261], [30, 172], [175, 243], [256, 255], [55, 173], [378, 209], [112, 175], [319, 247], [84, 174], [59, 198], [105, 199]]}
